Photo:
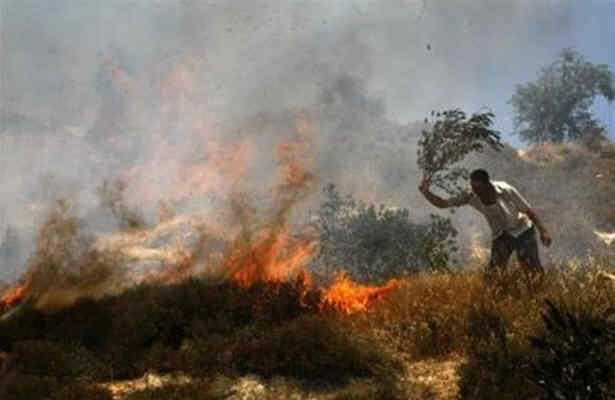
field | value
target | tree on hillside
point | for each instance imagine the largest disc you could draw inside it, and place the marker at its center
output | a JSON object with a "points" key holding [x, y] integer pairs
{"points": [[556, 107]]}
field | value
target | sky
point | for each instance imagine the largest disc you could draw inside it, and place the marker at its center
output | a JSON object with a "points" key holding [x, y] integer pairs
{"points": [[92, 89], [478, 50]]}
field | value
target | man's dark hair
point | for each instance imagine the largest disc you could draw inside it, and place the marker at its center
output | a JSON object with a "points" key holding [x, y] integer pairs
{"points": [[480, 175]]}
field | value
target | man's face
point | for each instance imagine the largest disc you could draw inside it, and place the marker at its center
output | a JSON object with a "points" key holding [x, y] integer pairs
{"points": [[478, 187]]}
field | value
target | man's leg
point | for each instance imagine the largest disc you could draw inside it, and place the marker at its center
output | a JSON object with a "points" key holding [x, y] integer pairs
{"points": [[526, 247], [501, 249]]}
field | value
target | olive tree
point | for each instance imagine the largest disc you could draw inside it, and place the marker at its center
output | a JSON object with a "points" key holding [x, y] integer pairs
{"points": [[556, 107]]}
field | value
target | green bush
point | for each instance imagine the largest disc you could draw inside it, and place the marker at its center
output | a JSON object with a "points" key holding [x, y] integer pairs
{"points": [[575, 355], [376, 243]]}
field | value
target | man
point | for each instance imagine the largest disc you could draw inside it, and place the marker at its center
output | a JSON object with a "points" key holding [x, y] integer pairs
{"points": [[510, 217]]}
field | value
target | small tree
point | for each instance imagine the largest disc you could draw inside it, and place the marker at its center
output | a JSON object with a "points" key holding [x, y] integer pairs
{"points": [[556, 107], [376, 243]]}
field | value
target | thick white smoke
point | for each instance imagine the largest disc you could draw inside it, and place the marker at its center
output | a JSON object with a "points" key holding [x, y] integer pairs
{"points": [[149, 91]]}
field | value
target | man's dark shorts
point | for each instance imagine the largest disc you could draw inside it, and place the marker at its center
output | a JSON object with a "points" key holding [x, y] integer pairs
{"points": [[525, 245]]}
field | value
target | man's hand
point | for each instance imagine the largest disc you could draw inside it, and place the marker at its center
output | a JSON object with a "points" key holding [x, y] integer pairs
{"points": [[432, 198], [545, 238]]}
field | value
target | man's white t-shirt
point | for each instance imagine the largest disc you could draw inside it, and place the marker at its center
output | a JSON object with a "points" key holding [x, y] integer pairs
{"points": [[508, 213]]}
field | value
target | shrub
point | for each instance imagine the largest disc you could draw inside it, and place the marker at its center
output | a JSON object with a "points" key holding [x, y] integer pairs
{"points": [[377, 243], [516, 350], [575, 355]]}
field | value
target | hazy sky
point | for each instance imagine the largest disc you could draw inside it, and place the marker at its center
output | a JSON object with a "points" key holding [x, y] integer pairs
{"points": [[263, 53]]}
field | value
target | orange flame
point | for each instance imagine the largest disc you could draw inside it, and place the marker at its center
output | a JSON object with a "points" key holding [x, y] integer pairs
{"points": [[270, 257], [349, 297], [14, 295]]}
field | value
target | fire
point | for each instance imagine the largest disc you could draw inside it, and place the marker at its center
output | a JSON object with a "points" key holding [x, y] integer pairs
{"points": [[350, 297], [271, 254], [255, 250], [14, 295], [271, 257]]}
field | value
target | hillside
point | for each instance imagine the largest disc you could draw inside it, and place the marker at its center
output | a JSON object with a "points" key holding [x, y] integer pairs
{"points": [[571, 186], [190, 308]]}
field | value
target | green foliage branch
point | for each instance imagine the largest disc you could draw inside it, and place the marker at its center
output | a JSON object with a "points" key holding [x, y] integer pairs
{"points": [[447, 140]]}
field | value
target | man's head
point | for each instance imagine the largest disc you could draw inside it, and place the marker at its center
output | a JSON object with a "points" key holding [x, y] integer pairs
{"points": [[479, 180]]}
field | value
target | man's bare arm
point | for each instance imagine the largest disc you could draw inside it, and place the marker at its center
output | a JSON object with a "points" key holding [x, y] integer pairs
{"points": [[545, 237], [432, 198]]}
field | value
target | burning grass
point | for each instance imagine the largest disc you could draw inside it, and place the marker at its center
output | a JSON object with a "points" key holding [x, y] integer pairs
{"points": [[13, 295], [350, 297], [280, 334], [194, 327], [268, 320]]}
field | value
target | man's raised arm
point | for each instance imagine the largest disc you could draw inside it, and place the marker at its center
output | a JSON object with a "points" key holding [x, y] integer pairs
{"points": [[432, 198]]}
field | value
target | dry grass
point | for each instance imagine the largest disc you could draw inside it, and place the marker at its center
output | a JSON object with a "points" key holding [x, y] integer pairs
{"points": [[438, 336]]}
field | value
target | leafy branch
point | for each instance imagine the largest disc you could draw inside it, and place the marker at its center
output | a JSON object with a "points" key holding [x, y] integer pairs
{"points": [[447, 140]]}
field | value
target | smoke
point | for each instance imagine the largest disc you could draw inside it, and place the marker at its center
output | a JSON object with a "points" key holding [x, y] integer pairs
{"points": [[186, 101]]}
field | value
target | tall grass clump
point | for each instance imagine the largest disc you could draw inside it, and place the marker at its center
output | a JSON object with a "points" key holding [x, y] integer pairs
{"points": [[575, 354], [540, 339], [426, 316]]}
